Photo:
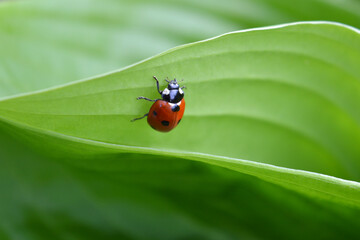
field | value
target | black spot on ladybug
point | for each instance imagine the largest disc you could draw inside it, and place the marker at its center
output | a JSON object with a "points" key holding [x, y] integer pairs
{"points": [[165, 123], [154, 113], [175, 108], [179, 120]]}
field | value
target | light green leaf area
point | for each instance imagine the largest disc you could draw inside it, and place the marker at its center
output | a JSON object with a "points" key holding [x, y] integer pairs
{"points": [[40, 38], [285, 98]]}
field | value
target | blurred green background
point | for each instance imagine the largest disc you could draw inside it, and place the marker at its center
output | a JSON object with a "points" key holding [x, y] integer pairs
{"points": [[46, 196]]}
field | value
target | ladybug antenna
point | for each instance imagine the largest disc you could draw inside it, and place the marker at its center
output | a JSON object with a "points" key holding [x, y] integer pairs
{"points": [[167, 79]]}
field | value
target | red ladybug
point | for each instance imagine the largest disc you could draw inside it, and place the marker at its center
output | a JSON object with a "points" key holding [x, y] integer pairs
{"points": [[166, 113]]}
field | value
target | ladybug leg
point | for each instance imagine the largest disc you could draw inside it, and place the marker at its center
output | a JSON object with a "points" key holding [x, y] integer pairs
{"points": [[148, 99], [157, 84], [183, 87], [133, 120]]}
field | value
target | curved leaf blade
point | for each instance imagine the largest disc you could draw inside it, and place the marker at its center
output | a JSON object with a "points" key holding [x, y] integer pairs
{"points": [[279, 83], [61, 41], [45, 199]]}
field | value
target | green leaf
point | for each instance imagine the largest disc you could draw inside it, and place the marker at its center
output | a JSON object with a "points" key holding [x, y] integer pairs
{"points": [[47, 43], [253, 95], [151, 197]]}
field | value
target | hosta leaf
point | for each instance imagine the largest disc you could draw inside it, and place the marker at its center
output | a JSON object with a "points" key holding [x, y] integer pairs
{"points": [[286, 96], [152, 197], [46, 43]]}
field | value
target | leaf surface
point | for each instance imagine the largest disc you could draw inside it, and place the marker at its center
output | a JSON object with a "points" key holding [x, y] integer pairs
{"points": [[47, 43], [261, 95]]}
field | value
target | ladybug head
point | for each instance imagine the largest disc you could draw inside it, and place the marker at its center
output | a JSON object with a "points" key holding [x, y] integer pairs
{"points": [[173, 84], [173, 93]]}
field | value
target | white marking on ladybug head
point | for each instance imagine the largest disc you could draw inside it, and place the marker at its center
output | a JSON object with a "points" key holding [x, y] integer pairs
{"points": [[173, 104], [181, 91], [166, 91]]}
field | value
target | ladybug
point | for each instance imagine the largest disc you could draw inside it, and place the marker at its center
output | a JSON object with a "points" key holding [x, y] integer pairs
{"points": [[166, 113]]}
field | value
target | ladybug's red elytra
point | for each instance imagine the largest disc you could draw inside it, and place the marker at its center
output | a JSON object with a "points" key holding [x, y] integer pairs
{"points": [[166, 113]]}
